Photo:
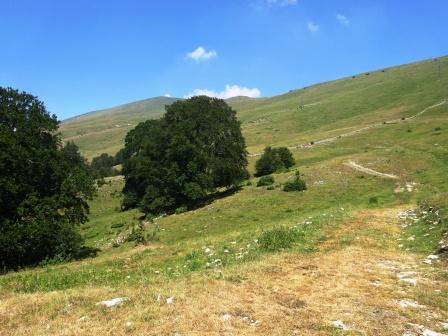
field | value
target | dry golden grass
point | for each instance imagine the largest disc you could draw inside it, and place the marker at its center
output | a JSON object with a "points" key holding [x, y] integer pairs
{"points": [[353, 278]]}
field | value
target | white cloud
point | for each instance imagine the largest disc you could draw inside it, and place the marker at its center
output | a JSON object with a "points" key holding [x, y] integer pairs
{"points": [[229, 92], [200, 54], [312, 27], [343, 19], [167, 95], [281, 2]]}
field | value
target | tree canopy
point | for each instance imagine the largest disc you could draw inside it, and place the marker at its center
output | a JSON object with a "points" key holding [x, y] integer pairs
{"points": [[44, 186], [196, 147], [274, 159]]}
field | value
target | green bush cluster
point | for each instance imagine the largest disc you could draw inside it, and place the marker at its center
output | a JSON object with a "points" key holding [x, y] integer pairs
{"points": [[265, 181], [274, 160], [296, 185]]}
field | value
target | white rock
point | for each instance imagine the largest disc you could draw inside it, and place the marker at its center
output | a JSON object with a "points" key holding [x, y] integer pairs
{"points": [[112, 302], [409, 304], [428, 332], [170, 300], [83, 318], [339, 324], [432, 256], [128, 324], [407, 274], [427, 261], [411, 282], [226, 317]]}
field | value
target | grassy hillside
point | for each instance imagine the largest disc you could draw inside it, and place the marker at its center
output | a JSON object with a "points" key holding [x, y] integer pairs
{"points": [[104, 131], [328, 109], [348, 250]]}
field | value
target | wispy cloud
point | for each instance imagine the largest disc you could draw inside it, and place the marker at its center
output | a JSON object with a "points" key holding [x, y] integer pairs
{"points": [[200, 54], [229, 92], [342, 19], [167, 95], [312, 27], [281, 2]]}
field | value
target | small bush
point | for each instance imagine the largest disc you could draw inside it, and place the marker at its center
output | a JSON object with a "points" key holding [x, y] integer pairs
{"points": [[137, 235], [373, 200], [437, 129], [277, 239], [265, 181], [271, 187], [180, 210], [297, 185], [194, 261], [248, 183]]}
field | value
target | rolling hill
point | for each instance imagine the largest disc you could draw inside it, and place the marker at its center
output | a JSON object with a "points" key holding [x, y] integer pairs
{"points": [[328, 109], [357, 253]]}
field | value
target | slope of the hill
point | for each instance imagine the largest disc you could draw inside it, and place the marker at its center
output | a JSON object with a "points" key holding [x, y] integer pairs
{"points": [[298, 116], [358, 263], [104, 131]]}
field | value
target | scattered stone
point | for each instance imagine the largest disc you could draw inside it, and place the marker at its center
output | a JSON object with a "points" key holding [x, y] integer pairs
{"points": [[376, 283], [112, 302], [128, 324], [428, 332], [83, 318], [339, 324], [170, 300], [432, 257], [226, 317], [411, 282], [409, 304], [407, 274], [444, 325]]}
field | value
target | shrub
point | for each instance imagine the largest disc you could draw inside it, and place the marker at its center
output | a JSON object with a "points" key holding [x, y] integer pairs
{"points": [[274, 159], [271, 187], [296, 185], [180, 210], [265, 181], [373, 200], [277, 239]]}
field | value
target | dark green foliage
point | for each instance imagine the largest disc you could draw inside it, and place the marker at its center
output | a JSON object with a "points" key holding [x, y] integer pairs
{"points": [[278, 239], [180, 159], [296, 185], [119, 157], [44, 187], [102, 166], [274, 159], [265, 181], [373, 200]]}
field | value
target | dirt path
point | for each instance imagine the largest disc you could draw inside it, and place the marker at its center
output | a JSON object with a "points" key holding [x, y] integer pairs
{"points": [[369, 171], [357, 131], [356, 278]]}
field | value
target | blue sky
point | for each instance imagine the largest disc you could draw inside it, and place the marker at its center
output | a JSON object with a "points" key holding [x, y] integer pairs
{"points": [[83, 55]]}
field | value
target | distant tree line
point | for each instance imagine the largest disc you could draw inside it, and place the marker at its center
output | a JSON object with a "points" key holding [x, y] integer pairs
{"points": [[44, 186]]}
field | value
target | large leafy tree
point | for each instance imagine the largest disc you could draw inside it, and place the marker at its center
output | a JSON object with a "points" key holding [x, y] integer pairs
{"points": [[180, 159], [44, 186]]}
